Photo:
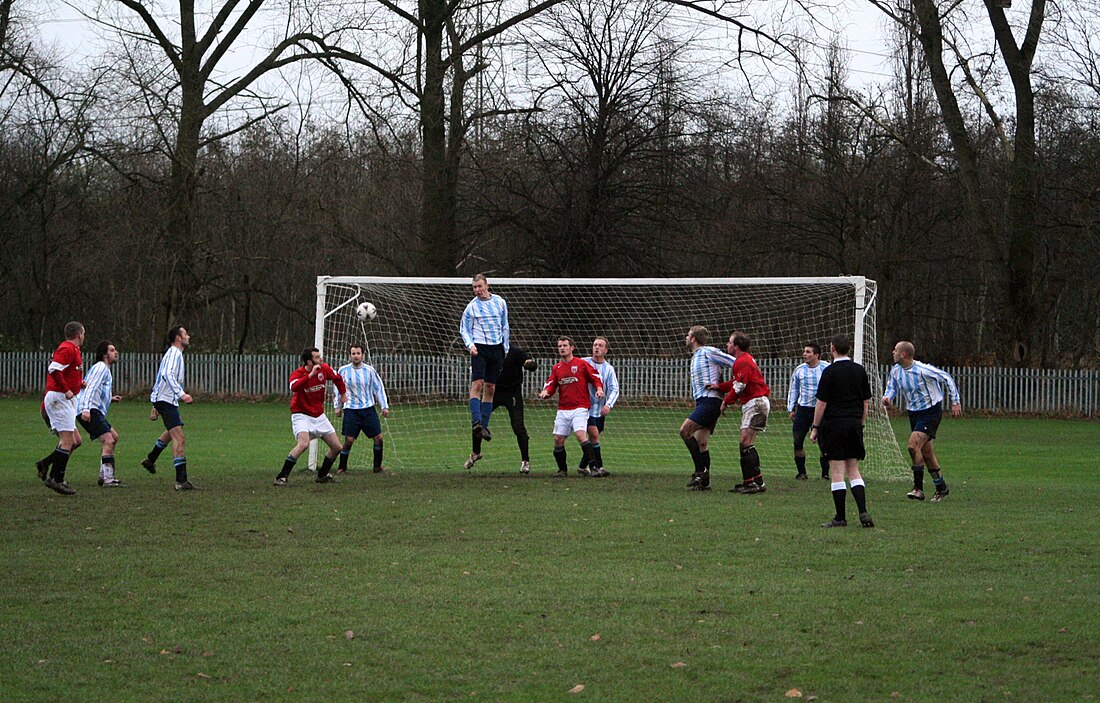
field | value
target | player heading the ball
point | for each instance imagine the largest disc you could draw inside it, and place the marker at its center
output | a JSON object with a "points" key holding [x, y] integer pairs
{"points": [[485, 332]]}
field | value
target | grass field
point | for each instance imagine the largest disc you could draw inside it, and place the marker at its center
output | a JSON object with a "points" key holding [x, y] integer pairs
{"points": [[488, 586]]}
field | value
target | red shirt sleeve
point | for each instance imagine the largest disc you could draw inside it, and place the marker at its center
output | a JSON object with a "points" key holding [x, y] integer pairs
{"points": [[297, 378], [551, 384]]}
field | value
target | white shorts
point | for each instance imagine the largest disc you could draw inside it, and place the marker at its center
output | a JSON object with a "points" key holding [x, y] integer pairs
{"points": [[754, 414], [568, 422], [61, 411], [317, 427]]}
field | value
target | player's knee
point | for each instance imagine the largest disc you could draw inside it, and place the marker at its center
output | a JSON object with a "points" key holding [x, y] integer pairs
{"points": [[475, 388]]}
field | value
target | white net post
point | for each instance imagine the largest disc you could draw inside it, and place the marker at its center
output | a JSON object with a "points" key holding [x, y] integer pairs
{"points": [[415, 345]]}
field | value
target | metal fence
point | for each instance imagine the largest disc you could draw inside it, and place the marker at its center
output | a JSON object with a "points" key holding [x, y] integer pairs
{"points": [[1073, 392]]}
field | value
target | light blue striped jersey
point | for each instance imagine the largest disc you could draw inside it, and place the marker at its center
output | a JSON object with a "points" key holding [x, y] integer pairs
{"points": [[610, 387], [168, 387], [96, 393], [804, 382], [486, 322], [921, 384], [364, 388], [706, 368]]}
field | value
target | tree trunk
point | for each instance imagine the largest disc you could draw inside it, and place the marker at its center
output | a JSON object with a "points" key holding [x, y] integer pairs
{"points": [[438, 202]]}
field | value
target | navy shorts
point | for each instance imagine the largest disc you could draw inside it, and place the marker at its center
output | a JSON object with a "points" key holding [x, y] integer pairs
{"points": [[362, 420], [488, 363], [842, 438], [596, 422], [706, 413], [96, 426], [169, 414], [800, 427], [926, 421]]}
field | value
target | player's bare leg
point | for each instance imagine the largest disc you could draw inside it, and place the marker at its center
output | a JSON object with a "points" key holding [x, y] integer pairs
{"points": [[917, 443], [345, 452]]}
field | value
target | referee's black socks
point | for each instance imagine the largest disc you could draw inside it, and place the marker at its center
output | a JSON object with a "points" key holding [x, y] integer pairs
{"points": [[839, 494]]}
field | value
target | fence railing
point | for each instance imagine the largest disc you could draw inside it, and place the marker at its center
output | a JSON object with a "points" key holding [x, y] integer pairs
{"points": [[1073, 392]]}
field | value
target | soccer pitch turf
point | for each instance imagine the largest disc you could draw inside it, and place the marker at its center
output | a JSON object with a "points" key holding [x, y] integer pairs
{"points": [[490, 586]]}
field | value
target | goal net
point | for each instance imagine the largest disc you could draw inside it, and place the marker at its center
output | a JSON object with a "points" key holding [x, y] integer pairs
{"points": [[415, 345]]}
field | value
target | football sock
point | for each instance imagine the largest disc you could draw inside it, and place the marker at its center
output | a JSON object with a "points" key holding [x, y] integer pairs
{"points": [[859, 492], [58, 463], [344, 453], [597, 455], [824, 466], [158, 447], [918, 478], [523, 448], [486, 412], [696, 455], [476, 446], [107, 469], [475, 410], [181, 468], [800, 464], [288, 466], [938, 481], [378, 455], [838, 499], [753, 462], [746, 466], [48, 459], [559, 456], [704, 462], [586, 449], [326, 466]]}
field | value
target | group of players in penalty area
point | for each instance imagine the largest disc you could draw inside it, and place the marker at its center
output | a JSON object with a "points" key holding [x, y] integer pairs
{"points": [[827, 402]]}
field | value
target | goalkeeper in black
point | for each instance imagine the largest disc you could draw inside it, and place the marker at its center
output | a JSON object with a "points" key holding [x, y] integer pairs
{"points": [[509, 395]]}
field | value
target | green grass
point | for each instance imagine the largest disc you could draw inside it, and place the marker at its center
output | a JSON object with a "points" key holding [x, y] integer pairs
{"points": [[488, 586]]}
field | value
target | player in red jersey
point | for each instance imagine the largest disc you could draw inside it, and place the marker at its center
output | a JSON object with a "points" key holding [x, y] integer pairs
{"points": [[747, 387], [570, 378], [63, 381], [307, 413]]}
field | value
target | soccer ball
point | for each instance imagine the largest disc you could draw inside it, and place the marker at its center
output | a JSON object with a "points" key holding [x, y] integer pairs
{"points": [[366, 312]]}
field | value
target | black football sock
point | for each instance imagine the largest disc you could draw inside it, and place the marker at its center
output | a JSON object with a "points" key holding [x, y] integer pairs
{"points": [[800, 464], [181, 468], [288, 466], [597, 455], [586, 449], [326, 466], [344, 454], [559, 456], [938, 480], [524, 453], [378, 455], [476, 446], [696, 455], [57, 466], [918, 478], [704, 463], [158, 447], [859, 492], [746, 465], [839, 494], [752, 465]]}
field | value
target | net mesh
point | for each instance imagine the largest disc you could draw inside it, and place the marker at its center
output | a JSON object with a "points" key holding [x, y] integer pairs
{"points": [[415, 345]]}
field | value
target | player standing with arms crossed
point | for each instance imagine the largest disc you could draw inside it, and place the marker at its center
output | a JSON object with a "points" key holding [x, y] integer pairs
{"points": [[307, 414], [571, 378], [63, 382]]}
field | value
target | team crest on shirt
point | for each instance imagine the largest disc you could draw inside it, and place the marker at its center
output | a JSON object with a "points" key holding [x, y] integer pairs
{"points": [[572, 369]]}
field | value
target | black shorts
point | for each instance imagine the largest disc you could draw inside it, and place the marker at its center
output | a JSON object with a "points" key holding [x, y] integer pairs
{"points": [[597, 422], [363, 420], [926, 421], [800, 427], [169, 414], [842, 438], [488, 363], [706, 413], [96, 426], [508, 398]]}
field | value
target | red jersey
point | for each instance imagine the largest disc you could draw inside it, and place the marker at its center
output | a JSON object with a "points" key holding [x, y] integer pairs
{"points": [[571, 379], [747, 372], [66, 369], [307, 395]]}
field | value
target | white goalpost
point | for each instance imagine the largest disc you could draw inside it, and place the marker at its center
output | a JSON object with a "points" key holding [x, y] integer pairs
{"points": [[415, 345]]}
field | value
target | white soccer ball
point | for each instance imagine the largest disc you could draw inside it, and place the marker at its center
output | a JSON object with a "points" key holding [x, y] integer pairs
{"points": [[366, 312]]}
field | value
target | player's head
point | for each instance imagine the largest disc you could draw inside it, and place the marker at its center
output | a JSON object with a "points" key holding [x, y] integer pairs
{"points": [[903, 351], [311, 356], [355, 351], [106, 352], [179, 335], [738, 343], [842, 345], [600, 347], [566, 347], [481, 286], [699, 334], [74, 332], [811, 353]]}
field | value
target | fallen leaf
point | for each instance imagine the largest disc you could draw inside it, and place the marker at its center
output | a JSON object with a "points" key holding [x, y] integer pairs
{"points": [[1062, 629], [679, 665], [208, 654], [577, 689], [202, 675], [596, 637], [793, 693], [349, 634], [165, 651], [895, 694]]}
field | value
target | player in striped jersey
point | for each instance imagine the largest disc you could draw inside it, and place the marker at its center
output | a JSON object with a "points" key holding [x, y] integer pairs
{"points": [[365, 389], [484, 329], [166, 396], [922, 386], [706, 371], [92, 405], [600, 406], [63, 381], [801, 403]]}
